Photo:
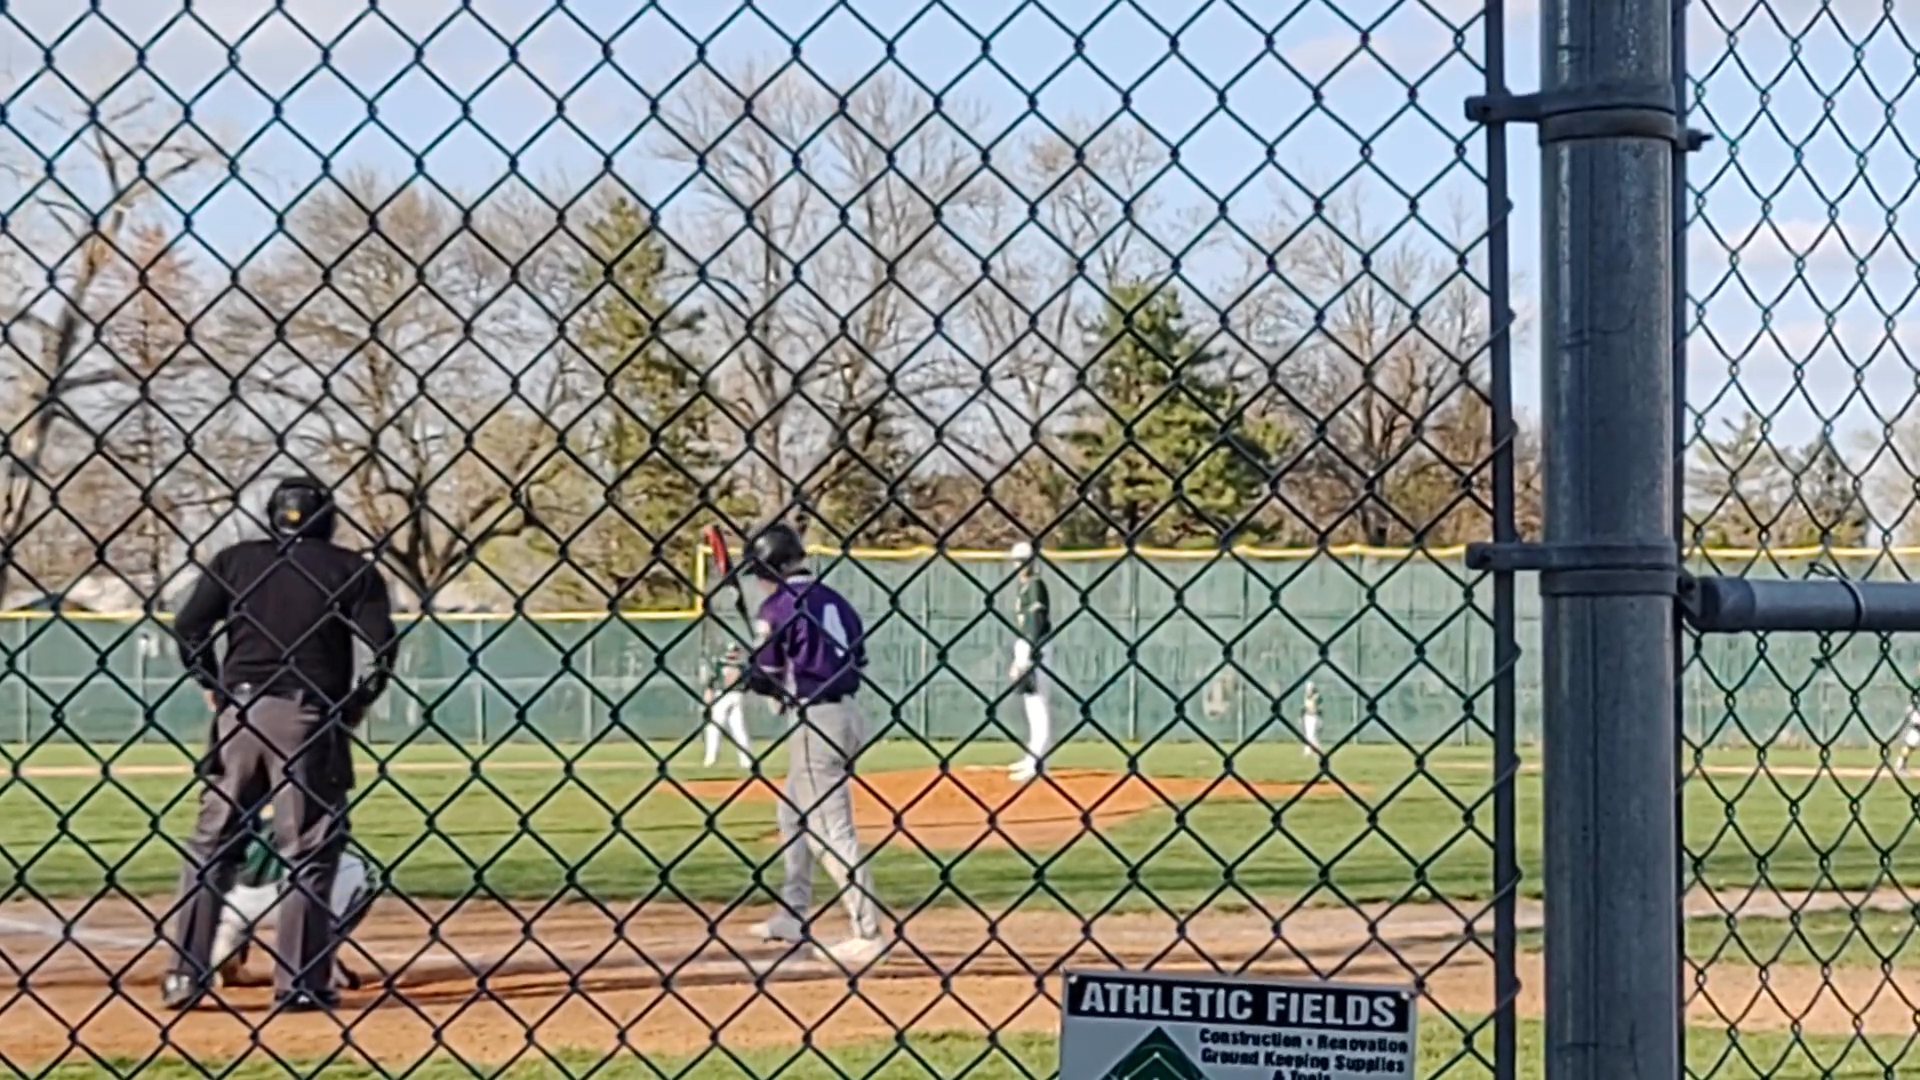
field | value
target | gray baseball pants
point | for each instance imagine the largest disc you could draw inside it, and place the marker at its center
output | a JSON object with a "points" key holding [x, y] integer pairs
{"points": [[816, 816], [277, 748]]}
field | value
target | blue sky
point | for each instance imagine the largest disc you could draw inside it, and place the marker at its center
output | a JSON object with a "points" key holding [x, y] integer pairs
{"points": [[1800, 212]]}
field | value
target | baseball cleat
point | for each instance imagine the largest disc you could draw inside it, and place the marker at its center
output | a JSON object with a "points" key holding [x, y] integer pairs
{"points": [[181, 992], [855, 954], [782, 928], [306, 1001], [1023, 771]]}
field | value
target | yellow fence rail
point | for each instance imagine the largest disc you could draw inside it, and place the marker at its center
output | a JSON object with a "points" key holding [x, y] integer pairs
{"points": [[1450, 553]]}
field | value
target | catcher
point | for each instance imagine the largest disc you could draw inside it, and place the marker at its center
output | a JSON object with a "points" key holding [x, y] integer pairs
{"points": [[726, 702], [256, 895]]}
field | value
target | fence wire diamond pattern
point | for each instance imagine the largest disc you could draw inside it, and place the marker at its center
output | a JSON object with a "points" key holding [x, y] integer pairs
{"points": [[1207, 300], [1795, 747]]}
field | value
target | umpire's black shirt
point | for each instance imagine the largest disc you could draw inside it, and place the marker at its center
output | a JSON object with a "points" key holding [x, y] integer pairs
{"points": [[292, 610]]}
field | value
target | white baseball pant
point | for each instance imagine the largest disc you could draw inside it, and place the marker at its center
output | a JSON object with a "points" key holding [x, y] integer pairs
{"points": [[727, 716], [1034, 703]]}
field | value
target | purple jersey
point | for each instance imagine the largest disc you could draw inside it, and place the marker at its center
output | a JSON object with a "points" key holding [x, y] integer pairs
{"points": [[811, 641]]}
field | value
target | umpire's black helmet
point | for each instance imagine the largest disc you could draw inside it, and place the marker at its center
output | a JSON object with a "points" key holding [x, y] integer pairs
{"points": [[301, 506], [777, 552]]}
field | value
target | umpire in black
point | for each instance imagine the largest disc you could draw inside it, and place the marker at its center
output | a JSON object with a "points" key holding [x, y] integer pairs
{"points": [[287, 700]]}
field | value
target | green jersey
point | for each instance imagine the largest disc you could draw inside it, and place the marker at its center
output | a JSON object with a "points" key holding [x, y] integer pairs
{"points": [[719, 680], [1033, 617], [262, 864]]}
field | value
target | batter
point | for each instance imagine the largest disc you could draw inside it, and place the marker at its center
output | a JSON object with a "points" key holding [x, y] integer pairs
{"points": [[810, 659]]}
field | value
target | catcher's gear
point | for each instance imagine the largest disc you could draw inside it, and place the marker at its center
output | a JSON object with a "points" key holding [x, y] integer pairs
{"points": [[777, 552], [233, 972], [301, 506]]}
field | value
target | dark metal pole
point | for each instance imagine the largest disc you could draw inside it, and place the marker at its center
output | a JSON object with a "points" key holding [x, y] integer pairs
{"points": [[1612, 911], [1682, 879], [1506, 645]]}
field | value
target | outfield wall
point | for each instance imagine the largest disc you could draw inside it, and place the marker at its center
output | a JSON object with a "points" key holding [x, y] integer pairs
{"points": [[1399, 644]]}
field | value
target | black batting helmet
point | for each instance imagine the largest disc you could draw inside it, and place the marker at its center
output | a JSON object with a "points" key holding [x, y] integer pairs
{"points": [[301, 506], [776, 552]]}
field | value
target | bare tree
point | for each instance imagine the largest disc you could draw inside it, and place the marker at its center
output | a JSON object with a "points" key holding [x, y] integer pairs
{"points": [[1376, 341], [1738, 486], [414, 371], [818, 231], [1747, 491], [164, 472], [59, 259], [1071, 224], [1890, 457]]}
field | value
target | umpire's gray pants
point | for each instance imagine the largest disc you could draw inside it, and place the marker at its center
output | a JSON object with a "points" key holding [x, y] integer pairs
{"points": [[278, 749], [816, 816]]}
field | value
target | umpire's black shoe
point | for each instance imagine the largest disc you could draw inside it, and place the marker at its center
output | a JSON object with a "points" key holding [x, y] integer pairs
{"points": [[307, 1001], [181, 992]]}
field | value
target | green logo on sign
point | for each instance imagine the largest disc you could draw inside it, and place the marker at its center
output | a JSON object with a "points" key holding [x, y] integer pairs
{"points": [[1156, 1058]]}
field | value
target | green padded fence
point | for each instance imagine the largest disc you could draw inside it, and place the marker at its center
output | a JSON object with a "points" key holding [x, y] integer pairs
{"points": [[1152, 648]]}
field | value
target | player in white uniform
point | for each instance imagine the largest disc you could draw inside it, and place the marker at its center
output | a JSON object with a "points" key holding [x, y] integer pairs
{"points": [[1909, 739], [1310, 721], [726, 701], [256, 894], [1033, 625]]}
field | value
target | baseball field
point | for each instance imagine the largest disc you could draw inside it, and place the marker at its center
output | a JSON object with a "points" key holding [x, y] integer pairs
{"points": [[574, 909]]}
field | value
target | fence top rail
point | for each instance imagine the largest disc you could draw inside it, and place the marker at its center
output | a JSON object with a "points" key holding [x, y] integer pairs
{"points": [[903, 554], [1339, 551]]}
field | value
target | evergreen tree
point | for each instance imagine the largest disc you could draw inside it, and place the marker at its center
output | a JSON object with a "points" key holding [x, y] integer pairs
{"points": [[1165, 460], [652, 467]]}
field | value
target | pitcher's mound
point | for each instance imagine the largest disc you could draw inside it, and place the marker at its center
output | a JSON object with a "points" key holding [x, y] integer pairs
{"points": [[977, 806]]}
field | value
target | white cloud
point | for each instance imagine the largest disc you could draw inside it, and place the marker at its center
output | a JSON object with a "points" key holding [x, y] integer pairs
{"points": [[1771, 255]]}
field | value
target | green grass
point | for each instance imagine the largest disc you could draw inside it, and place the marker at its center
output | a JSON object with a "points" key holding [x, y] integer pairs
{"points": [[1836, 939], [1444, 1055], [613, 832]]}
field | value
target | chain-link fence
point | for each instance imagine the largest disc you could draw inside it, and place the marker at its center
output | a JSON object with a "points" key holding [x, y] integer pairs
{"points": [[1225, 307], [1798, 432]]}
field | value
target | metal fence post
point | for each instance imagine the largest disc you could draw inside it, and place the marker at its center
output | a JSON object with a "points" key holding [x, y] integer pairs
{"points": [[592, 679], [1611, 858], [1133, 643], [1609, 129], [924, 675], [1677, 361], [23, 679]]}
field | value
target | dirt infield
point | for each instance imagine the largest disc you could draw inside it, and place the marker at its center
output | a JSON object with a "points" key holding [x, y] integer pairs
{"points": [[487, 981], [490, 980], [960, 809]]}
